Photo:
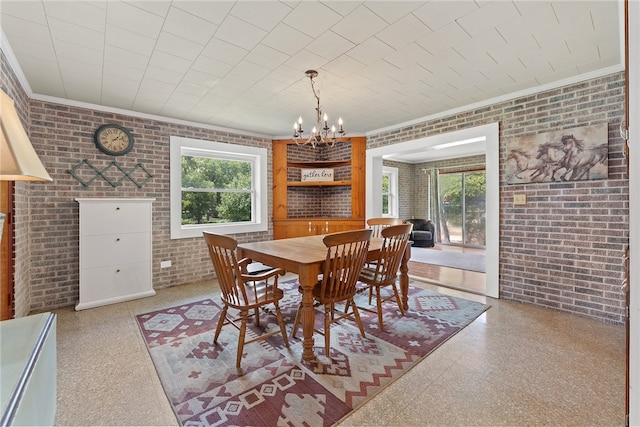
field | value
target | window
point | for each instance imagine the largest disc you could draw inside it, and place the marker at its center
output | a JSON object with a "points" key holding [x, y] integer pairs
{"points": [[217, 187], [389, 191], [462, 200]]}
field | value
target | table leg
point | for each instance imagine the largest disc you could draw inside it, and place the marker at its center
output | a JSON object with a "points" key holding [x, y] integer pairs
{"points": [[307, 281], [404, 277]]}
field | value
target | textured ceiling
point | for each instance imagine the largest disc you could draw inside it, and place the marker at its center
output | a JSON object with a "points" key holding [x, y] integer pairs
{"points": [[241, 65]]}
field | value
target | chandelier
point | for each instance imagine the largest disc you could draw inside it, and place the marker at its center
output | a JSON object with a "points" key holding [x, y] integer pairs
{"points": [[321, 134]]}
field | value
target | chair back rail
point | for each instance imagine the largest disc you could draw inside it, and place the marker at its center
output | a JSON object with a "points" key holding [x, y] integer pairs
{"points": [[346, 254], [378, 224], [395, 242]]}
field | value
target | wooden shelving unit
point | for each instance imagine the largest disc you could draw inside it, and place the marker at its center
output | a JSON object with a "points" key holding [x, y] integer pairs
{"points": [[285, 226]]}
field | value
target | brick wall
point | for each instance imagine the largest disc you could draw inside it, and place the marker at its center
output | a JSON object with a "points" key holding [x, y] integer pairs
{"points": [[564, 249]]}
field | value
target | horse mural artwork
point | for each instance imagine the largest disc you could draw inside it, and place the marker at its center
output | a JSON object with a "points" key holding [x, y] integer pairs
{"points": [[579, 154]]}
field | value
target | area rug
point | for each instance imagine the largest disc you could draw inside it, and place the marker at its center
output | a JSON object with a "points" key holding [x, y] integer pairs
{"points": [[274, 386], [461, 261]]}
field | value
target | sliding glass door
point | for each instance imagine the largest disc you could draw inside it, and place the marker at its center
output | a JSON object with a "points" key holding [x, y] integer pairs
{"points": [[462, 207]]}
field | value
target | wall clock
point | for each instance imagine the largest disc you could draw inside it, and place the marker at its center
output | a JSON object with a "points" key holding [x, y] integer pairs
{"points": [[113, 139]]}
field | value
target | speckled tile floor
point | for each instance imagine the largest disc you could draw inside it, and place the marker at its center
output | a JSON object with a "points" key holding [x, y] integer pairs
{"points": [[515, 365]]}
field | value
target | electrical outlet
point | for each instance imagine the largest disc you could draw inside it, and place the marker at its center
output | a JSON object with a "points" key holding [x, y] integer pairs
{"points": [[519, 199], [165, 264]]}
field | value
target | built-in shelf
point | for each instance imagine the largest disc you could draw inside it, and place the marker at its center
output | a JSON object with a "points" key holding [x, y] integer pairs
{"points": [[318, 183], [320, 164]]}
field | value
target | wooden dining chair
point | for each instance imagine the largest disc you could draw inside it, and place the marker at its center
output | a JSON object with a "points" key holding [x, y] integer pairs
{"points": [[384, 271], [242, 291], [378, 224], [346, 254]]}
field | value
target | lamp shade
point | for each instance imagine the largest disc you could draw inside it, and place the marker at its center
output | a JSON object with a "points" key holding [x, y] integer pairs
{"points": [[18, 159]]}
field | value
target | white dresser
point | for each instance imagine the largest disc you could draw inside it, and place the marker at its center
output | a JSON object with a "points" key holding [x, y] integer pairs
{"points": [[115, 251]]}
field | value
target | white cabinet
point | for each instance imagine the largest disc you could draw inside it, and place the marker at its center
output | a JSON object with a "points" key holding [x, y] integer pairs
{"points": [[115, 251]]}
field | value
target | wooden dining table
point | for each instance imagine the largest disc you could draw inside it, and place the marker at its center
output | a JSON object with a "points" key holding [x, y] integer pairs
{"points": [[305, 256]]}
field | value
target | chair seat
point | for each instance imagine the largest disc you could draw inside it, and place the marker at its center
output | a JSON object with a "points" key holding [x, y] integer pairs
{"points": [[259, 297]]}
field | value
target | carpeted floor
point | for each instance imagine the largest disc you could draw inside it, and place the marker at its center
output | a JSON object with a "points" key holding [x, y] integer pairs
{"points": [[462, 261], [274, 386]]}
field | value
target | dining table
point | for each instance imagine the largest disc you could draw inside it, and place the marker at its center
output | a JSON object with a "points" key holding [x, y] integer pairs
{"points": [[305, 256]]}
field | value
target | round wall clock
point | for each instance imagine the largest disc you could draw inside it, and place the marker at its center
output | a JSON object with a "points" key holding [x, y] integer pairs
{"points": [[113, 139]]}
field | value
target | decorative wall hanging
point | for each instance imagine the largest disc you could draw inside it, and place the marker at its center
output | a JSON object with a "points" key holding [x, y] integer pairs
{"points": [[139, 167], [580, 153]]}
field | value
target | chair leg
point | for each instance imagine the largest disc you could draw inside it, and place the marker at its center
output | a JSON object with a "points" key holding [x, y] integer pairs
{"points": [[257, 316], [283, 330], [379, 306], [358, 320], [223, 316], [397, 296], [296, 322], [328, 315], [243, 330]]}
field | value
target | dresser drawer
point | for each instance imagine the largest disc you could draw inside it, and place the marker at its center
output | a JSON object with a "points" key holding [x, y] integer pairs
{"points": [[101, 250], [115, 217], [114, 283]]}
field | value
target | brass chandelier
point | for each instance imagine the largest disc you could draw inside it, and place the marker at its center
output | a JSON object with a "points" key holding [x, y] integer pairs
{"points": [[321, 134]]}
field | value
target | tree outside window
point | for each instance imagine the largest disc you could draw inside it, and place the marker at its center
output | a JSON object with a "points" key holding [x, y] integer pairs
{"points": [[217, 187]]}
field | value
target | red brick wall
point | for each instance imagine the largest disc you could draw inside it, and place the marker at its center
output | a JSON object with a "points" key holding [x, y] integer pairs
{"points": [[564, 249]]}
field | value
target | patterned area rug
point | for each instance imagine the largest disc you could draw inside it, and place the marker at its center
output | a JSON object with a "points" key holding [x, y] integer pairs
{"points": [[274, 386]]}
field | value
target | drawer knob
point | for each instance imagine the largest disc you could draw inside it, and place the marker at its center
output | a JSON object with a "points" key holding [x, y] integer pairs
{"points": [[118, 271], [118, 239], [118, 208]]}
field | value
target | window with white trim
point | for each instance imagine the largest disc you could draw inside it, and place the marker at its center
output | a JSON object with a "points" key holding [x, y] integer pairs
{"points": [[217, 187], [389, 191]]}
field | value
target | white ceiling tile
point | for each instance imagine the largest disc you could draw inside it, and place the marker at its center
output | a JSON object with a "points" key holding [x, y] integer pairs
{"points": [[286, 39], [250, 71], [200, 79], [32, 11], [83, 14], [370, 51], [305, 60], [27, 30], [329, 45], [169, 62], [133, 42], [79, 53], [154, 89], [391, 11], [123, 71], [119, 88], [437, 14], [119, 56], [44, 51], [536, 19], [484, 42], [240, 33], [312, 18], [178, 46], [444, 38], [224, 52], [75, 34], [488, 17], [188, 26], [212, 11], [343, 66], [160, 8], [403, 32], [163, 75], [266, 56], [192, 88], [133, 19], [44, 76], [342, 7], [407, 56], [359, 25], [211, 66], [262, 14]]}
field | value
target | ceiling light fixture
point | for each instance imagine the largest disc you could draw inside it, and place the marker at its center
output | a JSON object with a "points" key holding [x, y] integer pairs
{"points": [[456, 143], [321, 134]]}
